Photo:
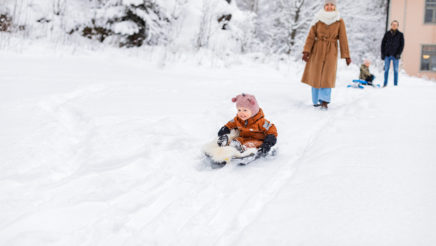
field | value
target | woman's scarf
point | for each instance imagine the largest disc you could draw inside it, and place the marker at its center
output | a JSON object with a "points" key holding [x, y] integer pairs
{"points": [[327, 17]]}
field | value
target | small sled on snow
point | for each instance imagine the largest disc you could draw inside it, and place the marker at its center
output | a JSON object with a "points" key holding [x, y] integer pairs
{"points": [[219, 156], [360, 84]]}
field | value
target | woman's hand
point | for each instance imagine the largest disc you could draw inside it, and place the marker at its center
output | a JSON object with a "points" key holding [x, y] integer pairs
{"points": [[305, 56], [348, 61]]}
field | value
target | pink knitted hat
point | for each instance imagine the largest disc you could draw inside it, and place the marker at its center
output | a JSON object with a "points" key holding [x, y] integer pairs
{"points": [[247, 101]]}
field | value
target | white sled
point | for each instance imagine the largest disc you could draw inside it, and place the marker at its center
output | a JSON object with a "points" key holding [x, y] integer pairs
{"points": [[220, 156]]}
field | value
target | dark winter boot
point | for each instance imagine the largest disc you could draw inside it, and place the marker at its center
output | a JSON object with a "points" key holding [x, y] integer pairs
{"points": [[324, 105]]}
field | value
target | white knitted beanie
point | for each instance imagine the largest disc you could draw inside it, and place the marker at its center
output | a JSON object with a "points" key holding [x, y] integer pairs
{"points": [[330, 1]]}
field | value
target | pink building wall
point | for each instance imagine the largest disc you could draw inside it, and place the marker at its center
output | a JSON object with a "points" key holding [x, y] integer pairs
{"points": [[410, 14]]}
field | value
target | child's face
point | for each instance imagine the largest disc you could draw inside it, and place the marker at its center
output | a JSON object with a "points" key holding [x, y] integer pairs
{"points": [[244, 113], [367, 63]]}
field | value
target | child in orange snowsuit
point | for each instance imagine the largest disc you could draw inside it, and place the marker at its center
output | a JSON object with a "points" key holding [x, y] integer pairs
{"points": [[254, 130]]}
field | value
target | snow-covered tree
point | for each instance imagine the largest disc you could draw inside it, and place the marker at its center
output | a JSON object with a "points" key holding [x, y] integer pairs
{"points": [[269, 26], [250, 5], [128, 23], [365, 23], [281, 26], [291, 24], [223, 27]]}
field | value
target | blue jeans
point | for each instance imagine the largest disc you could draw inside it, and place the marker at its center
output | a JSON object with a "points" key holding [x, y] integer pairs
{"points": [[321, 94], [388, 60]]}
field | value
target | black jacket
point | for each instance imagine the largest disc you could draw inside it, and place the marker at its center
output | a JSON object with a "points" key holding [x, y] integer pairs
{"points": [[392, 44]]}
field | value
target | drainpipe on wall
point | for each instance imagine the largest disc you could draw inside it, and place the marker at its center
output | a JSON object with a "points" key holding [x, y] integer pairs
{"points": [[405, 16], [387, 14]]}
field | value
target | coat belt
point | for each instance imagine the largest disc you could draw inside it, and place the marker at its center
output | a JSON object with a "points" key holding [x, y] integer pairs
{"points": [[329, 44], [326, 39]]}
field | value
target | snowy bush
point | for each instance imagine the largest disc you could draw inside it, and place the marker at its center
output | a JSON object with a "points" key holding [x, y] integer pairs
{"points": [[5, 23], [224, 28], [128, 23]]}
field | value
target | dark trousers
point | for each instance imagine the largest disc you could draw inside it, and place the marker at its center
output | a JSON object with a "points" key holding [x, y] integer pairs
{"points": [[369, 79], [395, 61]]}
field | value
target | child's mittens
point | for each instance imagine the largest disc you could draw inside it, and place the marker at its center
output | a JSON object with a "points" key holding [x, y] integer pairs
{"points": [[224, 130], [270, 140]]}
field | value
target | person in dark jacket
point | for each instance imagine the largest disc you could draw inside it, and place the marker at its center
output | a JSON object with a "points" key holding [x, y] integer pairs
{"points": [[391, 48]]}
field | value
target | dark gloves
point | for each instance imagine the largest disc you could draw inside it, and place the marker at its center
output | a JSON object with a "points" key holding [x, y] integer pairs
{"points": [[270, 140], [383, 57], [224, 130], [305, 56], [348, 61], [398, 57]]}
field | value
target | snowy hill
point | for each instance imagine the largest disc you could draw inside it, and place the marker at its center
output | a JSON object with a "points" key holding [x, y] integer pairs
{"points": [[105, 150]]}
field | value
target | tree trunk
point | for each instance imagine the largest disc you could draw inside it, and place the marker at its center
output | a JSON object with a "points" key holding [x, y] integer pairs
{"points": [[298, 5]]}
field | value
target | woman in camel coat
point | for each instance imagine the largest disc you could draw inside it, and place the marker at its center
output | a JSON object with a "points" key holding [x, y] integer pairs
{"points": [[321, 53]]}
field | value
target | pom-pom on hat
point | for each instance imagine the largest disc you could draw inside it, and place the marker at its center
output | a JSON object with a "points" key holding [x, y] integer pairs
{"points": [[247, 101], [330, 1]]}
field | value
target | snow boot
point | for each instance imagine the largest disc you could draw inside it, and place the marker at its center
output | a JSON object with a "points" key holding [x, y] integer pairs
{"points": [[223, 140], [324, 105], [237, 145]]}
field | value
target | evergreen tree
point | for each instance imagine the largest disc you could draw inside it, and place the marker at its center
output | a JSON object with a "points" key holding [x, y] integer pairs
{"points": [[129, 23]]}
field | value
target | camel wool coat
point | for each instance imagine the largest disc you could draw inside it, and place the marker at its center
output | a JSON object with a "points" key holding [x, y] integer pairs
{"points": [[322, 45]]}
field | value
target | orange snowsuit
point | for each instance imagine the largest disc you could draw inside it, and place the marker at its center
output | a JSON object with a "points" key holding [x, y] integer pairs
{"points": [[254, 130]]}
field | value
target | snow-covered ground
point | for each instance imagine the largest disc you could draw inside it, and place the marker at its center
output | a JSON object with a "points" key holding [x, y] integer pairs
{"points": [[104, 149]]}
